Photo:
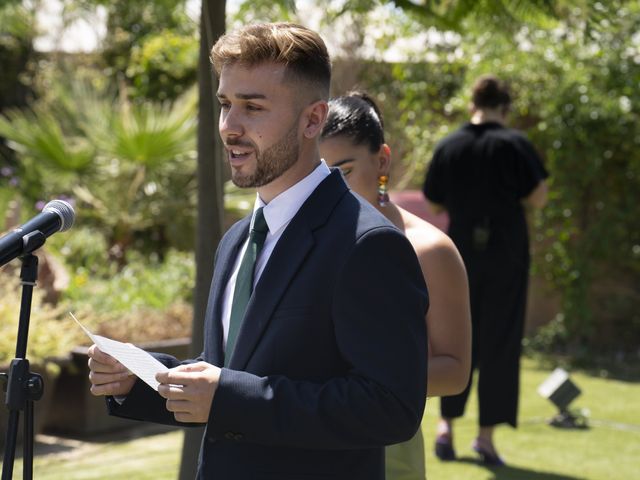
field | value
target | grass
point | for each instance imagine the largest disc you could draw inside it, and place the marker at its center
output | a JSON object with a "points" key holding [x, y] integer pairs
{"points": [[608, 450], [153, 456]]}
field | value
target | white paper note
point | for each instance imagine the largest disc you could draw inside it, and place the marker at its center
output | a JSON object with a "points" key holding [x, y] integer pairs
{"points": [[139, 362]]}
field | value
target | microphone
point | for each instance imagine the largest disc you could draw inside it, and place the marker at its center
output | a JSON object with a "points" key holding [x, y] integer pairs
{"points": [[56, 216]]}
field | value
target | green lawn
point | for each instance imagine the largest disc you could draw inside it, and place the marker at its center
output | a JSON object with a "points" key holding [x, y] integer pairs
{"points": [[151, 457], [609, 450]]}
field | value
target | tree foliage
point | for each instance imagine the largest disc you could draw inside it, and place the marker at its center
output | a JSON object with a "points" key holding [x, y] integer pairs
{"points": [[17, 30], [150, 46], [130, 167], [576, 96], [504, 17], [266, 11], [574, 66], [579, 95]]}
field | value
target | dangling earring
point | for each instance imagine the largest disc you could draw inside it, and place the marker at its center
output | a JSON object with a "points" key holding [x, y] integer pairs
{"points": [[383, 196]]}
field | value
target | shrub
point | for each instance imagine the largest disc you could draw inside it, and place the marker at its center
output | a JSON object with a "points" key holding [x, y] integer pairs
{"points": [[139, 326], [576, 97], [50, 333], [130, 167], [142, 284], [142, 303], [164, 66], [84, 251]]}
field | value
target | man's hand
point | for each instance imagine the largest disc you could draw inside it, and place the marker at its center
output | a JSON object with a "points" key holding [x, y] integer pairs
{"points": [[189, 390], [107, 375]]}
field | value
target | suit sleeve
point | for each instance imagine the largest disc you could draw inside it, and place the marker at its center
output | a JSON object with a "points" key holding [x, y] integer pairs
{"points": [[144, 403], [379, 304]]}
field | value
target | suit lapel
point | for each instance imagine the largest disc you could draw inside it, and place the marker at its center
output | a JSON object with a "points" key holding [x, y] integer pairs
{"points": [[285, 260], [228, 254]]}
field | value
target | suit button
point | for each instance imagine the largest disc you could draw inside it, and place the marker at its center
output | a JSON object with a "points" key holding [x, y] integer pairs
{"points": [[238, 436], [229, 435], [212, 439]]}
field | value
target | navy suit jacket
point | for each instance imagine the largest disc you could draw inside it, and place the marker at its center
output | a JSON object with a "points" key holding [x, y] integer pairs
{"points": [[330, 363]]}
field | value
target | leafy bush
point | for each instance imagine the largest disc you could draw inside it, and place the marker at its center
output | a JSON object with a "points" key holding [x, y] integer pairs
{"points": [[146, 301], [84, 251], [17, 31], [164, 66], [152, 46], [50, 333], [130, 167], [576, 97], [139, 326], [576, 94], [548, 338], [142, 283]]}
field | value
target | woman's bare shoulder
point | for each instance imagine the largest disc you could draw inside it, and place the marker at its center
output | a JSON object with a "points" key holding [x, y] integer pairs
{"points": [[427, 240]]}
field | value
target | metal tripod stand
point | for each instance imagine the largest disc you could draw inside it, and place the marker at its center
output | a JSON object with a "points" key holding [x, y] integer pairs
{"points": [[22, 387]]}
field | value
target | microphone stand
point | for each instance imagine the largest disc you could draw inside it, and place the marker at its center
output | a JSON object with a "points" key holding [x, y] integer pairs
{"points": [[22, 386]]}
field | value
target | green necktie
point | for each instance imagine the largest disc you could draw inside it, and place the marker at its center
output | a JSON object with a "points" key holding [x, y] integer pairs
{"points": [[244, 281]]}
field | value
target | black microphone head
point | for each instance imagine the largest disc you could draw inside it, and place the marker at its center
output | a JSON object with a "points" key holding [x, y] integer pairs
{"points": [[64, 210]]}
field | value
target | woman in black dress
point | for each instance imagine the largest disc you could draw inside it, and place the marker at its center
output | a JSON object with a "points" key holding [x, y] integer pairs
{"points": [[485, 175]]}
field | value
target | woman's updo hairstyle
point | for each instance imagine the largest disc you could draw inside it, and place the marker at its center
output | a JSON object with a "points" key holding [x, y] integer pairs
{"points": [[355, 115]]}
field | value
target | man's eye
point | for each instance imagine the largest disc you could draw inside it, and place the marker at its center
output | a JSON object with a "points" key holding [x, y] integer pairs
{"points": [[224, 105], [346, 171], [254, 108]]}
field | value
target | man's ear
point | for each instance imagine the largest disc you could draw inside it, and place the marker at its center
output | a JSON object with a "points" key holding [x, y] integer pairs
{"points": [[313, 118], [384, 159]]}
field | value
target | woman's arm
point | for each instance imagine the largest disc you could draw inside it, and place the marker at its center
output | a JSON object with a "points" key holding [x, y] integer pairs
{"points": [[449, 317]]}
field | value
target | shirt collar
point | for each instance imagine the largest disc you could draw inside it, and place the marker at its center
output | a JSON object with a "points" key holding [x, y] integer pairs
{"points": [[279, 211]]}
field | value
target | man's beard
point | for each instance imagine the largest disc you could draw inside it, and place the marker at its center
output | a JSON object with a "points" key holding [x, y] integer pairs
{"points": [[271, 163]]}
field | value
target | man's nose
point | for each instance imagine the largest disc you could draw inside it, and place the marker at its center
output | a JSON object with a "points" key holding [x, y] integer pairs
{"points": [[230, 125]]}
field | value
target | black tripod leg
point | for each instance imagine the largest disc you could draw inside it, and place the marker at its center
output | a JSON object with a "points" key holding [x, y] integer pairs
{"points": [[10, 445], [23, 387], [27, 452]]}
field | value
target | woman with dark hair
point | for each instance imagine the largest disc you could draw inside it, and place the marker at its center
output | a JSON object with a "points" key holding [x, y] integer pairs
{"points": [[353, 140], [484, 175]]}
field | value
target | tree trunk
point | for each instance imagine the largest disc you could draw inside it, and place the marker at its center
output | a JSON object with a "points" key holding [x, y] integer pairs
{"points": [[210, 200]]}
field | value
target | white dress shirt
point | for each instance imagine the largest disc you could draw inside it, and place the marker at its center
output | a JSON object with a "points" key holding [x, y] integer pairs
{"points": [[277, 213]]}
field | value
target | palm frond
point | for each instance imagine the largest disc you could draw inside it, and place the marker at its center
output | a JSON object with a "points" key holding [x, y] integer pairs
{"points": [[147, 134], [38, 134]]}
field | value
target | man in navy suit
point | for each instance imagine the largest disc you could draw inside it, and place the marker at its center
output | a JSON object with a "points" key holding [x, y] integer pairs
{"points": [[322, 361]]}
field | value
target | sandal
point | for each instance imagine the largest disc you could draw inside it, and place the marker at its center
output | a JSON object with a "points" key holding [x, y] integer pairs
{"points": [[488, 457], [444, 448]]}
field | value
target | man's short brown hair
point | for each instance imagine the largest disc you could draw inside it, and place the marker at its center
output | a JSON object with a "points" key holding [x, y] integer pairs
{"points": [[490, 92], [301, 50]]}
